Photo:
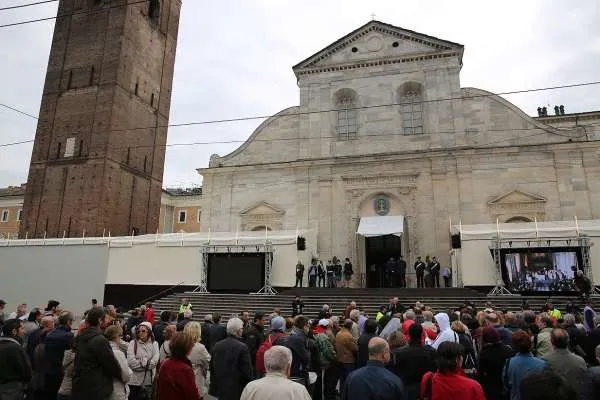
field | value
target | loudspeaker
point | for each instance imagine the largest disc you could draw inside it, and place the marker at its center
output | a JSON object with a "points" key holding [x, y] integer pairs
{"points": [[301, 243], [455, 239]]}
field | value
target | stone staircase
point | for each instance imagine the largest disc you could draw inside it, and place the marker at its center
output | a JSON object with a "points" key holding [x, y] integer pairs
{"points": [[368, 300]]}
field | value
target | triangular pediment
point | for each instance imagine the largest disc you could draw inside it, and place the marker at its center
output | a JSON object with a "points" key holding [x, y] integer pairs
{"points": [[377, 40], [262, 208], [517, 196]]}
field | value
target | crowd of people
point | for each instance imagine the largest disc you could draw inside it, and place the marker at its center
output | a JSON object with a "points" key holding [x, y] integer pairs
{"points": [[404, 352]]}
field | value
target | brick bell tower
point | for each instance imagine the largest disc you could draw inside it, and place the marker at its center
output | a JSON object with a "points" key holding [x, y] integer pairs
{"points": [[99, 151]]}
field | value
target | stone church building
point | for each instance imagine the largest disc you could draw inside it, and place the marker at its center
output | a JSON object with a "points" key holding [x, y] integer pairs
{"points": [[384, 129]]}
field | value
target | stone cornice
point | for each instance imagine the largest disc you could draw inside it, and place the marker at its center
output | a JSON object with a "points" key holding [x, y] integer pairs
{"points": [[457, 152], [373, 63]]}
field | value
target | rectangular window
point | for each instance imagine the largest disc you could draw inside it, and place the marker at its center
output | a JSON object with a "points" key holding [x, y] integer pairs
{"points": [[20, 215], [346, 124], [182, 217], [5, 215], [199, 214], [70, 147], [412, 116]]}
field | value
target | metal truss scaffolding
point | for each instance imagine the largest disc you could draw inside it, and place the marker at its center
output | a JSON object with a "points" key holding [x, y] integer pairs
{"points": [[499, 289], [268, 288], [204, 252], [266, 248]]}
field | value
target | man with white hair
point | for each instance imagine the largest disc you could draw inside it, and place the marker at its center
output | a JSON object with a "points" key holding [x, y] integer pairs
{"points": [[276, 385], [354, 316], [325, 312], [349, 308], [230, 367]]}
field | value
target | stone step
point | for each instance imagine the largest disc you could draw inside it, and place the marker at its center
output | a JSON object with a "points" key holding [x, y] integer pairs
{"points": [[367, 300]]}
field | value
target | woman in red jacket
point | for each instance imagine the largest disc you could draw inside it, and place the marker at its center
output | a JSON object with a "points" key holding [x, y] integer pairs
{"points": [[449, 383], [176, 378]]}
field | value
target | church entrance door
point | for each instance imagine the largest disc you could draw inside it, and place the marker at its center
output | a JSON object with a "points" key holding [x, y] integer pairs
{"points": [[378, 250]]}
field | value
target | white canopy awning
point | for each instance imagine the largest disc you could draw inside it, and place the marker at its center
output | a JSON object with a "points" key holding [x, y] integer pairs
{"points": [[529, 230], [381, 225]]}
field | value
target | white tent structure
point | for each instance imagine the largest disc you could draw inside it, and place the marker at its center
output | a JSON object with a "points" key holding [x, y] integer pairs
{"points": [[161, 261], [475, 262]]}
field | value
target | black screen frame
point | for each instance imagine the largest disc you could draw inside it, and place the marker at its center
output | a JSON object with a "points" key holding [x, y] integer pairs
{"points": [[222, 286]]}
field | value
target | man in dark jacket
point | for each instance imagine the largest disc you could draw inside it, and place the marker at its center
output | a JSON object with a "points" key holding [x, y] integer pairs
{"points": [[363, 341], [208, 322], [134, 320], [493, 358], [395, 307], [299, 273], [373, 381], [15, 370], [230, 368], [255, 335], [297, 306], [187, 317], [401, 272], [55, 345], [434, 270], [158, 329], [419, 267], [297, 342], [389, 269], [95, 366], [412, 362], [46, 326], [216, 333]]}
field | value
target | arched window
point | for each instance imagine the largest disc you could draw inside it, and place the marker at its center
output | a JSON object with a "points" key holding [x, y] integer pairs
{"points": [[517, 220], [260, 228], [346, 125], [411, 100]]}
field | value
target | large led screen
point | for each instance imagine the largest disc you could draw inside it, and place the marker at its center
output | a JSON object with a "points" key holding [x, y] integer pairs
{"points": [[540, 270]]}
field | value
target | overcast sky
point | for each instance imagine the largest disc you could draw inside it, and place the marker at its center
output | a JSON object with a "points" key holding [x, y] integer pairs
{"points": [[234, 59]]}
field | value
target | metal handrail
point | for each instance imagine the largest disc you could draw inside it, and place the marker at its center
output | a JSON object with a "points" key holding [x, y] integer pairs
{"points": [[160, 293]]}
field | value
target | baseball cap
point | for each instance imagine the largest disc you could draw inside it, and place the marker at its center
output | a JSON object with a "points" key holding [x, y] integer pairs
{"points": [[324, 322], [2, 303]]}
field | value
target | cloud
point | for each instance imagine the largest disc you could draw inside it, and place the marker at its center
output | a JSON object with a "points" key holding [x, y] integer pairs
{"points": [[234, 59]]}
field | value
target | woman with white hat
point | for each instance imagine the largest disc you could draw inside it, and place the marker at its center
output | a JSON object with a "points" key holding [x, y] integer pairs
{"points": [[142, 357]]}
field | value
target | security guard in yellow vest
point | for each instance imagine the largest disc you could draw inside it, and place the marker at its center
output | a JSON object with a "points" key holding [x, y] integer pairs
{"points": [[185, 305]]}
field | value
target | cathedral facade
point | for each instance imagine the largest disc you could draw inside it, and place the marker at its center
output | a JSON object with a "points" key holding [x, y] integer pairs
{"points": [[385, 129]]}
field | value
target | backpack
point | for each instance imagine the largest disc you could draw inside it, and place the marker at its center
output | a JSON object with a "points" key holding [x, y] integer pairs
{"points": [[260, 353]]}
